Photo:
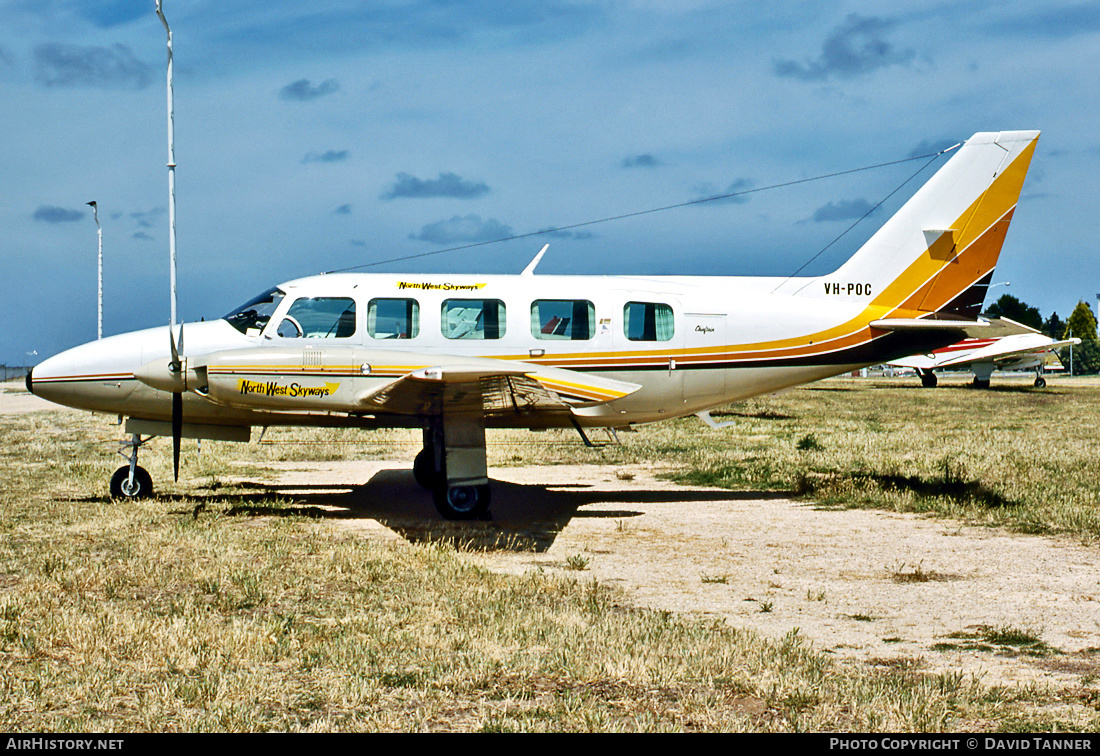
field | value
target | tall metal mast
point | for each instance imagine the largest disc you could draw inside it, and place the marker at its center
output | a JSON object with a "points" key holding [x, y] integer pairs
{"points": [[99, 233], [171, 170]]}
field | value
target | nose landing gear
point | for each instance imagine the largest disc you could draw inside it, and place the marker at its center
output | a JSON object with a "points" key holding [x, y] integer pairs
{"points": [[131, 481]]}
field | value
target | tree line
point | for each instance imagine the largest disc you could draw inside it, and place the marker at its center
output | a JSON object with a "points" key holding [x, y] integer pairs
{"points": [[1081, 324]]}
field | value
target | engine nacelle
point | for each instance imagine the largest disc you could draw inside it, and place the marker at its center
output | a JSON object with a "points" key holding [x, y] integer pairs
{"points": [[324, 379]]}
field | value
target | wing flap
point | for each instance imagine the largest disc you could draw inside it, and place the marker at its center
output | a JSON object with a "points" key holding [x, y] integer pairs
{"points": [[926, 324], [429, 391], [494, 387]]}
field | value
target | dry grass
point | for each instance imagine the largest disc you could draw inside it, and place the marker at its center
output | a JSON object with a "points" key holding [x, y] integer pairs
{"points": [[119, 616], [1013, 456]]}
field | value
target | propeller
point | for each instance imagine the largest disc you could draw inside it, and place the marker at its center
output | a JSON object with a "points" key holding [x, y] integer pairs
{"points": [[174, 376], [176, 367]]}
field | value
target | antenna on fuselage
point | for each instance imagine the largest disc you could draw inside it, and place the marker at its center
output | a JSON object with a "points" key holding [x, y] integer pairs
{"points": [[530, 269]]}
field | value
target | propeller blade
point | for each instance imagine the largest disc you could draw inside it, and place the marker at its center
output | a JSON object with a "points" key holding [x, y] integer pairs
{"points": [[175, 364], [177, 432]]}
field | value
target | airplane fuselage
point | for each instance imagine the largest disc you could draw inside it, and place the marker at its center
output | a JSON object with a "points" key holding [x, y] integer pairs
{"points": [[691, 343]]}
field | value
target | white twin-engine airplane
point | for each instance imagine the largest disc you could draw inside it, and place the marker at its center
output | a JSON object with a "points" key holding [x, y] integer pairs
{"points": [[1005, 345], [455, 354]]}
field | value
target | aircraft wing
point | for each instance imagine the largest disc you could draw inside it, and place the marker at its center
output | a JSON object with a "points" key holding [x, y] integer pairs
{"points": [[1011, 347], [998, 351], [356, 380]]}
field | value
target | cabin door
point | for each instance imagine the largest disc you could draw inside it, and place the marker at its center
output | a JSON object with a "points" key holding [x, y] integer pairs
{"points": [[704, 335]]}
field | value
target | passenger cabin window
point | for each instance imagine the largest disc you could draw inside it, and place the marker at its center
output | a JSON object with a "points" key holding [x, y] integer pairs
{"points": [[648, 321], [473, 318], [251, 317], [563, 319], [393, 318], [319, 318]]}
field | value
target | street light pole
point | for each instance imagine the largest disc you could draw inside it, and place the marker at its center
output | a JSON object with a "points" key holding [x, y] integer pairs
{"points": [[99, 233]]}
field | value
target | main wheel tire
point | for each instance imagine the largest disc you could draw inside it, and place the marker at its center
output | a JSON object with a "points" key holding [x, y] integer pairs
{"points": [[928, 380], [1040, 382], [120, 484], [980, 383], [462, 502], [424, 471]]}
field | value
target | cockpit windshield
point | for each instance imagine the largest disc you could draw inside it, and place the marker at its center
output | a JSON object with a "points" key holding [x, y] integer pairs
{"points": [[251, 317]]}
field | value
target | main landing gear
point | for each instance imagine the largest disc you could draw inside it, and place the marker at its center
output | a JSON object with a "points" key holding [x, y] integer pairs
{"points": [[453, 467], [927, 378], [982, 372], [131, 481], [1040, 381]]}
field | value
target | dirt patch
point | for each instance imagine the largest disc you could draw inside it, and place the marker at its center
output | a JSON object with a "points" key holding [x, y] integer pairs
{"points": [[882, 588], [14, 400]]}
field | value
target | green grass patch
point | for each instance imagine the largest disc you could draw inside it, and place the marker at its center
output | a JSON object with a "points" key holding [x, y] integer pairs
{"points": [[1003, 639]]}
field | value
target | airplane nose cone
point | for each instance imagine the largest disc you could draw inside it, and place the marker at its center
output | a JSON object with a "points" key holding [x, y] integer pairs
{"points": [[30, 381]]}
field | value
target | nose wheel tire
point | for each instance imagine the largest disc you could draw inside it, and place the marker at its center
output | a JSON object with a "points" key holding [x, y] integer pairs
{"points": [[121, 488], [462, 502]]}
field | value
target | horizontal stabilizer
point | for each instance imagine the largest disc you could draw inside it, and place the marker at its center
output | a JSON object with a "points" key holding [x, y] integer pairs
{"points": [[924, 324]]}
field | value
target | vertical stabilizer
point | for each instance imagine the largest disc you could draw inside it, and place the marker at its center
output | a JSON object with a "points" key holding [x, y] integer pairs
{"points": [[936, 255]]}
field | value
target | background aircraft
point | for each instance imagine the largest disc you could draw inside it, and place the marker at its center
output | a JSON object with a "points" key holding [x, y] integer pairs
{"points": [[1005, 345]]}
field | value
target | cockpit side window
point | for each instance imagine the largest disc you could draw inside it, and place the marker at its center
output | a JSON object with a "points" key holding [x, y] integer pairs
{"points": [[319, 318], [251, 317]]}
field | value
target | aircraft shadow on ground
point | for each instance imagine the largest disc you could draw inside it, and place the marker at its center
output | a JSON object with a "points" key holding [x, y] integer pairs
{"points": [[524, 517]]}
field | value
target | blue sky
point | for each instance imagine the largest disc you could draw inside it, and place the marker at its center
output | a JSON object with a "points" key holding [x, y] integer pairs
{"points": [[317, 136]]}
